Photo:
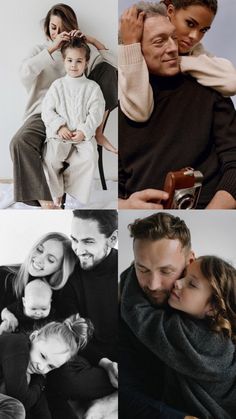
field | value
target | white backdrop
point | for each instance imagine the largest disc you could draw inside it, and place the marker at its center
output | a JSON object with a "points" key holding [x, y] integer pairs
{"points": [[212, 232], [19, 30], [220, 40]]}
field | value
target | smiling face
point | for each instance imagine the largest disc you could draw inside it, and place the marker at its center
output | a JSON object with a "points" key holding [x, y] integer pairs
{"points": [[158, 264], [75, 62], [88, 243], [192, 293], [46, 258], [191, 24], [159, 46], [47, 354]]}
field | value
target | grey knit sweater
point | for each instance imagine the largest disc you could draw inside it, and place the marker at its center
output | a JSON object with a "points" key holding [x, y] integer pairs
{"points": [[200, 364]]}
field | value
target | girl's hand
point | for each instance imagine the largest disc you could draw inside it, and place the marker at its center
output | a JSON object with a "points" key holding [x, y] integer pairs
{"points": [[77, 136], [58, 41], [65, 133]]}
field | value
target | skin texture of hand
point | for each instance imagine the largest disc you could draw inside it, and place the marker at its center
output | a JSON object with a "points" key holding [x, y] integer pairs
{"points": [[146, 199], [222, 200], [58, 41], [89, 39], [111, 369], [131, 26], [77, 136], [65, 133], [9, 323]]}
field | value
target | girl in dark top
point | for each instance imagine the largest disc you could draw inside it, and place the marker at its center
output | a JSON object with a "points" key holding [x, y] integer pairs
{"points": [[51, 258], [24, 360], [197, 342]]}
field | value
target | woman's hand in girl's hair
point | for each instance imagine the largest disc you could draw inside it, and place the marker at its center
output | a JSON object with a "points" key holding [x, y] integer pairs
{"points": [[111, 369], [77, 136], [65, 133], [58, 41]]}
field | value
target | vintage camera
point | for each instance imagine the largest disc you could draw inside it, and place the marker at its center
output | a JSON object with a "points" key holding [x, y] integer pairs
{"points": [[184, 187]]}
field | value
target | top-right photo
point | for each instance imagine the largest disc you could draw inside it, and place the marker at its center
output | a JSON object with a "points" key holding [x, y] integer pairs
{"points": [[177, 119]]}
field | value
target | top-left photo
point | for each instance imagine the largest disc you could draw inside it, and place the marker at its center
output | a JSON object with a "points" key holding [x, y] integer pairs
{"points": [[59, 105]]}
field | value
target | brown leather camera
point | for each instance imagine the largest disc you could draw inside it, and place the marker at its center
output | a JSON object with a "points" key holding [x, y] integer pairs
{"points": [[184, 187]]}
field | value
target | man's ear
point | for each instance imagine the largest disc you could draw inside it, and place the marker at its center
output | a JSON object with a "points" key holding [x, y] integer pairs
{"points": [[112, 240], [191, 257], [170, 11]]}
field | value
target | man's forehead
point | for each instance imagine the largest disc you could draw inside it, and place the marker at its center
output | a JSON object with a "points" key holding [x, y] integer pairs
{"points": [[157, 25], [85, 229]]}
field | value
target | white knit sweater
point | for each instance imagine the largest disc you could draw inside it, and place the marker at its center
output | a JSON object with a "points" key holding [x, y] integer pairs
{"points": [[135, 92], [77, 102], [39, 69]]}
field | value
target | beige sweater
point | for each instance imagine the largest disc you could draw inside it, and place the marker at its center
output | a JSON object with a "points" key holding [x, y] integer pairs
{"points": [[135, 92], [39, 69]]}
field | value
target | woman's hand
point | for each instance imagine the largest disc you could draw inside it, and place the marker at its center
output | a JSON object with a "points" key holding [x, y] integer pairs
{"points": [[131, 26], [111, 369], [58, 41], [89, 39]]}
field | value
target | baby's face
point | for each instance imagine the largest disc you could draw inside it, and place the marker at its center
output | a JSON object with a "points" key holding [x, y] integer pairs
{"points": [[37, 307], [75, 62]]}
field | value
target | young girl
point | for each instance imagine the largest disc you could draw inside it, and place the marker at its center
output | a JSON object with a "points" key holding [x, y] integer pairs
{"points": [[195, 340], [39, 69], [72, 110], [25, 360], [51, 258], [192, 19]]}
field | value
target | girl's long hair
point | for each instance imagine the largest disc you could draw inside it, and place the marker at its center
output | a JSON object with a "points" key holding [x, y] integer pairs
{"points": [[58, 279]]}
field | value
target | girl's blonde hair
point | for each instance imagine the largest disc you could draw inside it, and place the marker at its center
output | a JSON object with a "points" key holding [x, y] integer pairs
{"points": [[222, 278], [75, 332], [59, 278]]}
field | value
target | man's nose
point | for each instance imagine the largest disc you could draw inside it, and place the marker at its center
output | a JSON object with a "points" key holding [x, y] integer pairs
{"points": [[155, 282], [79, 248], [172, 45], [179, 283]]}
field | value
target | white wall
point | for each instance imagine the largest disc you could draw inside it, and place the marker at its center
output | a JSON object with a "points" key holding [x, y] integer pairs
{"points": [[220, 40], [19, 30], [212, 232]]}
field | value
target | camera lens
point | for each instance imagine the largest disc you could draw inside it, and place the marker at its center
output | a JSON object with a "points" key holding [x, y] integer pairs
{"points": [[186, 202]]}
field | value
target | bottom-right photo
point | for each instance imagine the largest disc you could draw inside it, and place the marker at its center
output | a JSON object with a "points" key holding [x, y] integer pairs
{"points": [[177, 356]]}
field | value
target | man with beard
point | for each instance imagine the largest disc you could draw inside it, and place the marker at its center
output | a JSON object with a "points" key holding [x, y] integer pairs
{"points": [[162, 249], [91, 291]]}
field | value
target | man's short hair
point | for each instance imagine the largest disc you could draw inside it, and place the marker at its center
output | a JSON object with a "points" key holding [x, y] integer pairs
{"points": [[159, 226], [107, 219], [151, 8]]}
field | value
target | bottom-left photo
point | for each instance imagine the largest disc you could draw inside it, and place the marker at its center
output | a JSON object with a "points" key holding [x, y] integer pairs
{"points": [[59, 314]]}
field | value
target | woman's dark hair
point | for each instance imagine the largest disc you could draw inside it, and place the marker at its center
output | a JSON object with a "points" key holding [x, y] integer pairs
{"points": [[222, 279], [67, 15], [182, 4], [76, 42]]}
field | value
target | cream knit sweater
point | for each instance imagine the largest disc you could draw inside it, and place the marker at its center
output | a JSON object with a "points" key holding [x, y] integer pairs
{"points": [[135, 92], [77, 102], [39, 69]]}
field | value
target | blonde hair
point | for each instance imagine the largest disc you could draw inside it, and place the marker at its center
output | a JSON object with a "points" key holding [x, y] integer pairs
{"points": [[58, 279], [75, 332]]}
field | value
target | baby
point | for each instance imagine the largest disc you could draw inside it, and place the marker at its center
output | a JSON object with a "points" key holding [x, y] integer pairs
{"points": [[30, 312]]}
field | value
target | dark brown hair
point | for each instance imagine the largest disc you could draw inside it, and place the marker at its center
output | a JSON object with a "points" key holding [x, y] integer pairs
{"points": [[67, 15], [182, 4], [76, 42], [222, 278], [159, 226]]}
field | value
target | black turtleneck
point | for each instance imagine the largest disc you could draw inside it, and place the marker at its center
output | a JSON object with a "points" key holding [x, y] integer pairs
{"points": [[191, 125], [93, 294]]}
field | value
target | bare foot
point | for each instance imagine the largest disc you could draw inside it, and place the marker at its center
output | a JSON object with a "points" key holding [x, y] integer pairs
{"points": [[48, 205], [104, 142]]}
